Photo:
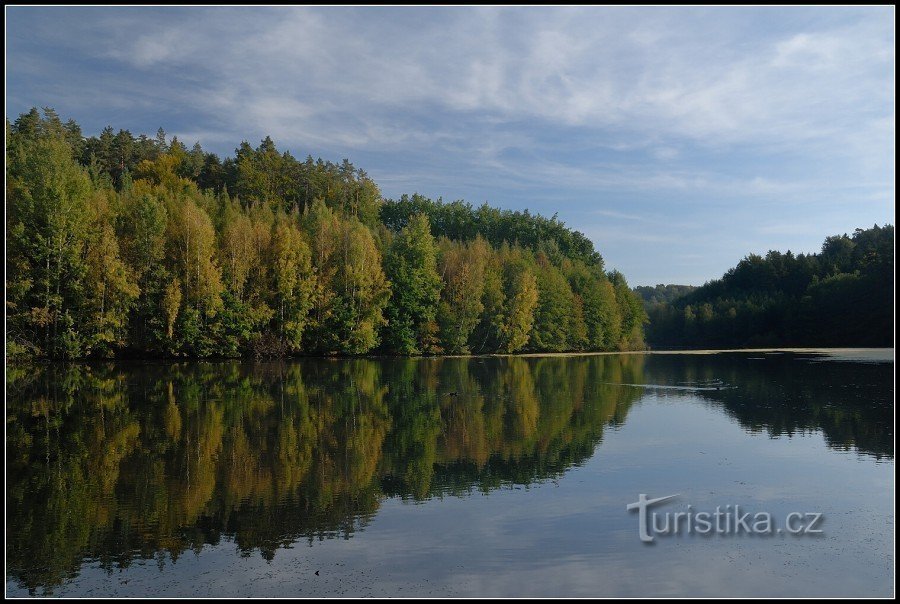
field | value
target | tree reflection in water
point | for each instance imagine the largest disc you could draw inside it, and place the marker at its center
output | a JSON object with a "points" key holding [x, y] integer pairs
{"points": [[123, 461]]}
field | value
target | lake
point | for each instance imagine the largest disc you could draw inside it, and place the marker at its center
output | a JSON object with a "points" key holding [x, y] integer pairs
{"points": [[482, 476]]}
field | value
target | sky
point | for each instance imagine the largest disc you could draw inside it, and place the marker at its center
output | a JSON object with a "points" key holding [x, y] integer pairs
{"points": [[678, 140]]}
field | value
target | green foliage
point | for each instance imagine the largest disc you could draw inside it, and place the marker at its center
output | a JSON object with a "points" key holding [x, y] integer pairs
{"points": [[110, 288], [596, 301], [520, 290], [462, 267], [662, 293], [633, 314], [411, 267], [555, 309], [293, 279], [351, 290], [460, 221], [48, 199], [842, 296], [132, 246]]}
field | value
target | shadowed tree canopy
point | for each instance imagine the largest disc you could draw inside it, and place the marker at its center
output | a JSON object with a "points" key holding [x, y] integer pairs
{"points": [[842, 296]]}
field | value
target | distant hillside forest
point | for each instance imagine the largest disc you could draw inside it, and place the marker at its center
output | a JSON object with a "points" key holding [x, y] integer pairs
{"points": [[122, 245], [662, 293], [842, 296]]}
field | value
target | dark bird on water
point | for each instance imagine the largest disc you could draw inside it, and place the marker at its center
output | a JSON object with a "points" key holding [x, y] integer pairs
{"points": [[317, 573]]}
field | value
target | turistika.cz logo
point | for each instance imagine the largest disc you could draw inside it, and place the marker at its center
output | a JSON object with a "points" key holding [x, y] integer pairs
{"points": [[724, 520]]}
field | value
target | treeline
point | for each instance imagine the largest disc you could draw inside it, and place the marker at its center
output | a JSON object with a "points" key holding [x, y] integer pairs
{"points": [[662, 293], [842, 296], [131, 246]]}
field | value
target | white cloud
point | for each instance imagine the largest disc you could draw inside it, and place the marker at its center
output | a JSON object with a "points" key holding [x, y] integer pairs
{"points": [[649, 111], [675, 74]]}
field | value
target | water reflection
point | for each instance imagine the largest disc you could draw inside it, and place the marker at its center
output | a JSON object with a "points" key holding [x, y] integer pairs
{"points": [[118, 462], [849, 400]]}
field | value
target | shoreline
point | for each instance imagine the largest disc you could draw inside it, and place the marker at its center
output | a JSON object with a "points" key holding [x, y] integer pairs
{"points": [[708, 351], [713, 351]]}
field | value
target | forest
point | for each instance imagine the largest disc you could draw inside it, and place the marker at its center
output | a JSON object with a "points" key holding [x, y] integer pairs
{"points": [[662, 293], [135, 246], [842, 296]]}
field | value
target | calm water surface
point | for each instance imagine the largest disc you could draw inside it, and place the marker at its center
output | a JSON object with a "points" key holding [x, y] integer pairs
{"points": [[470, 477]]}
